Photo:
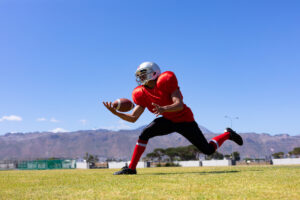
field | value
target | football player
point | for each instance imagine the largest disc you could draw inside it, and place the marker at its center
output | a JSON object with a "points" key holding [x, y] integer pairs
{"points": [[161, 95]]}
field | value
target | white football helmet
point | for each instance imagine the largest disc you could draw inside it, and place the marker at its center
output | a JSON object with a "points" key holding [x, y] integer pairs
{"points": [[147, 71]]}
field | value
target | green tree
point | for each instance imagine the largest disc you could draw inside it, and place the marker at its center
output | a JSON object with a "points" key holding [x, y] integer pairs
{"points": [[151, 156], [172, 153], [216, 156], [183, 153], [278, 155], [90, 158], [236, 156], [188, 152], [296, 151], [156, 154], [159, 153]]}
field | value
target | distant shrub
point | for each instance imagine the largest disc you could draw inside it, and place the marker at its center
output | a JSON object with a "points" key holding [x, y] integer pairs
{"points": [[170, 164]]}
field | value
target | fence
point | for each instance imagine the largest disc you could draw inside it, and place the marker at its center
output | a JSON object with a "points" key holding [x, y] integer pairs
{"points": [[206, 163], [47, 164], [4, 165], [115, 165], [286, 161], [190, 163]]}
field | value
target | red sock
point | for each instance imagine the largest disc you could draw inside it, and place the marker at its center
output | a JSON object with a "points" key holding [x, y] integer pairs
{"points": [[137, 153], [218, 140]]}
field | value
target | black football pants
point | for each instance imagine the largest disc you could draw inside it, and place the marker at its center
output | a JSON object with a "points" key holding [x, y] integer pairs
{"points": [[190, 130]]}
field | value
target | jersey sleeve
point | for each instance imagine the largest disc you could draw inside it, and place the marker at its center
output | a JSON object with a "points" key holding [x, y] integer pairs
{"points": [[138, 97], [168, 82]]}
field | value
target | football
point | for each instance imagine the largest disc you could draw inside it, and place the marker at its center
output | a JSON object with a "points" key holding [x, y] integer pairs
{"points": [[123, 105]]}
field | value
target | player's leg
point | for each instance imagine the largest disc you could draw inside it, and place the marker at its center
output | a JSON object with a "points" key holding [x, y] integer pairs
{"points": [[228, 134], [159, 126], [234, 136], [192, 132]]}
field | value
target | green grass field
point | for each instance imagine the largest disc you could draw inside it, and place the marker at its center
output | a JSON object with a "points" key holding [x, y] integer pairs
{"points": [[244, 182]]}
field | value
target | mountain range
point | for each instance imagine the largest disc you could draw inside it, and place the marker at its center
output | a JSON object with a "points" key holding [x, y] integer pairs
{"points": [[120, 144]]}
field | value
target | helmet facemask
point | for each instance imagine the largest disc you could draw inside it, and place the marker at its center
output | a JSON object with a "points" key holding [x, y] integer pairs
{"points": [[144, 75], [147, 71]]}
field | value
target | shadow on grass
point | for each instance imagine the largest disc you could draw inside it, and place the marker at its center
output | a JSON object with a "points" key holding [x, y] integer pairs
{"points": [[200, 173]]}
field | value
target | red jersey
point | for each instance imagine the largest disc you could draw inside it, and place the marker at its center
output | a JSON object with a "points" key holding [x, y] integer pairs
{"points": [[161, 95]]}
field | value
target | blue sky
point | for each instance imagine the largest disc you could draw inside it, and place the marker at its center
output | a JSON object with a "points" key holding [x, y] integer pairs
{"points": [[60, 59]]}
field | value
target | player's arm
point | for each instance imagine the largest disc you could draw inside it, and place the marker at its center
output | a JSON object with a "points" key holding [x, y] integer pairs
{"points": [[176, 106], [136, 113]]}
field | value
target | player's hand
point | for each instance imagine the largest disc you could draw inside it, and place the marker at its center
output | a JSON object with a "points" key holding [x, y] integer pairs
{"points": [[109, 106], [158, 110]]}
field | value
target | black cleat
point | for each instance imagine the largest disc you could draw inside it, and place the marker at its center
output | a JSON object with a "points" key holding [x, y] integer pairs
{"points": [[234, 136], [126, 171]]}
